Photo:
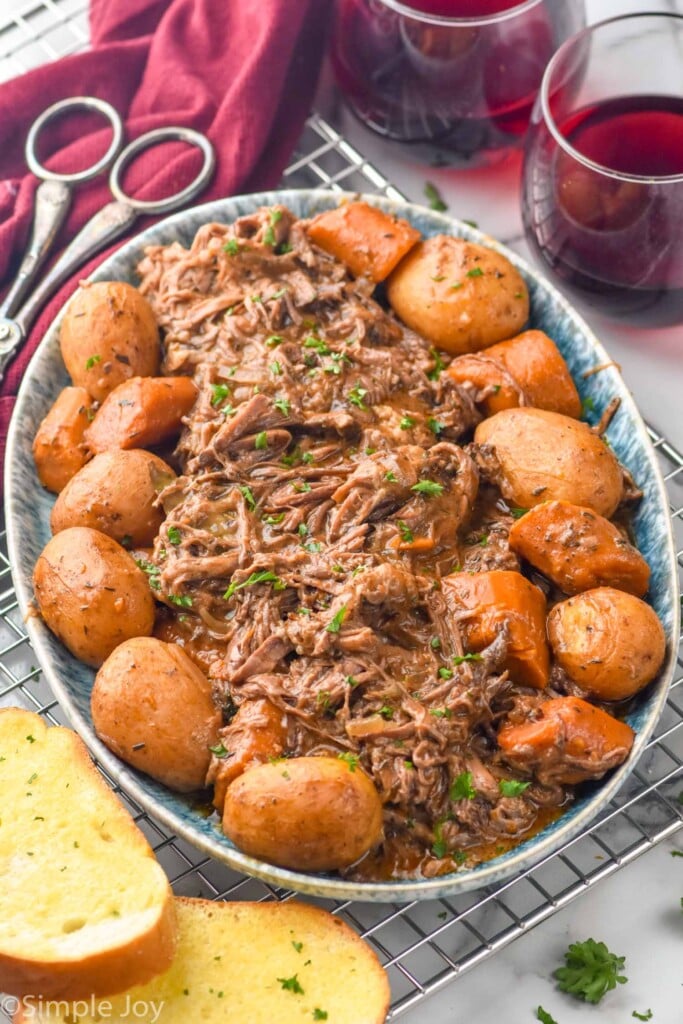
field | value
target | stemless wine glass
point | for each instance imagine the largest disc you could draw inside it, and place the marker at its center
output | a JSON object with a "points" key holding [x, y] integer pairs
{"points": [[452, 81], [602, 193]]}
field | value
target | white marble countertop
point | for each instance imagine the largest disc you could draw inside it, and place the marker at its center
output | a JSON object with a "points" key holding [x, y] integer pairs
{"points": [[636, 912]]}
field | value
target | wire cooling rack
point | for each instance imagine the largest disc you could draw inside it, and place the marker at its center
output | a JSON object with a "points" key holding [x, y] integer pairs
{"points": [[423, 946]]}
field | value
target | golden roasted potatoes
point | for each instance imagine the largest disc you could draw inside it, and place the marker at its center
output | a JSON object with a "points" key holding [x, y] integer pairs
{"points": [[545, 456], [91, 594], [152, 706], [498, 600], [108, 334], [459, 295], [611, 643], [305, 813], [578, 549], [115, 494], [59, 449]]}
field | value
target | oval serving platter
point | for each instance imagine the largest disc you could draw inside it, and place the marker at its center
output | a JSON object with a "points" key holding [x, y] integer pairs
{"points": [[28, 506]]}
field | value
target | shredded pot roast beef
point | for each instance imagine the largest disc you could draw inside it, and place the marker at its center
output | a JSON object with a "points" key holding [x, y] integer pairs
{"points": [[324, 494]]}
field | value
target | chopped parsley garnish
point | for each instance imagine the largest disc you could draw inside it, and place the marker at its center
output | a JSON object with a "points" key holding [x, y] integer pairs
{"points": [[153, 571], [307, 458], [517, 513], [438, 277], [278, 294], [430, 488], [269, 236], [174, 535], [274, 520], [439, 846], [182, 600], [313, 546], [275, 216], [642, 1016], [320, 346], [456, 285], [284, 248], [475, 272], [471, 223], [544, 1016], [435, 198], [302, 530], [262, 576], [298, 946], [219, 750], [219, 393], [462, 788], [435, 643], [283, 405], [458, 659], [590, 971], [261, 440], [439, 365], [459, 856], [303, 487], [319, 1014], [232, 247], [337, 620], [274, 340], [445, 673], [441, 712], [407, 534], [386, 711], [351, 759], [407, 422], [588, 405], [483, 540], [351, 681], [435, 425], [291, 985], [512, 787], [92, 361], [323, 699], [391, 477], [356, 396], [275, 368], [248, 496]]}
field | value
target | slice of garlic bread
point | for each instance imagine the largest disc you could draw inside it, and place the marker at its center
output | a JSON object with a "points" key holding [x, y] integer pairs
{"points": [[248, 963], [84, 906]]}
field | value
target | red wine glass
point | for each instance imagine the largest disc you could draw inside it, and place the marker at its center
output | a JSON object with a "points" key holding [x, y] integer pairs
{"points": [[602, 193], [452, 81]]}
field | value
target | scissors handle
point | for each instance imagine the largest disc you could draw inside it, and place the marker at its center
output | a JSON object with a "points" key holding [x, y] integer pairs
{"points": [[108, 223], [52, 203]]}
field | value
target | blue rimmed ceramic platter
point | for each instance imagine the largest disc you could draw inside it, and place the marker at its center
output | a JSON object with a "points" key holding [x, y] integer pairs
{"points": [[28, 508]]}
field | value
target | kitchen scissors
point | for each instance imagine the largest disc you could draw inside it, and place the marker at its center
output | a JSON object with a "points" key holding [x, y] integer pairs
{"points": [[52, 203]]}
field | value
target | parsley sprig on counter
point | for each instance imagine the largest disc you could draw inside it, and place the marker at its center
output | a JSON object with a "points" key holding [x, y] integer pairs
{"points": [[590, 971]]}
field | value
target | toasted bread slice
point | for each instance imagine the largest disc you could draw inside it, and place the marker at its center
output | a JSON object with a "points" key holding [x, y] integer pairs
{"points": [[249, 963], [84, 906]]}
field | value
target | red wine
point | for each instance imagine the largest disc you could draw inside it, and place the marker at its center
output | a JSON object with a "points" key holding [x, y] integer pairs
{"points": [[618, 241], [450, 94], [462, 8]]}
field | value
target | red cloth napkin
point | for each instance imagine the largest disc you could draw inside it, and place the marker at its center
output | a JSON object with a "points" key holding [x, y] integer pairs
{"points": [[241, 71]]}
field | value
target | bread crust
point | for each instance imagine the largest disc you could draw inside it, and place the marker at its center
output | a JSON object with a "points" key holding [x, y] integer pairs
{"points": [[132, 960]]}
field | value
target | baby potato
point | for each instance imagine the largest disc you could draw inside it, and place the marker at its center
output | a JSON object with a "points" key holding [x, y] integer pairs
{"points": [[611, 643], [545, 456], [305, 813], [108, 334], [578, 549], [526, 370], [115, 494], [91, 594], [141, 412], [569, 742], [152, 706], [459, 295], [502, 599], [59, 450], [368, 240]]}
